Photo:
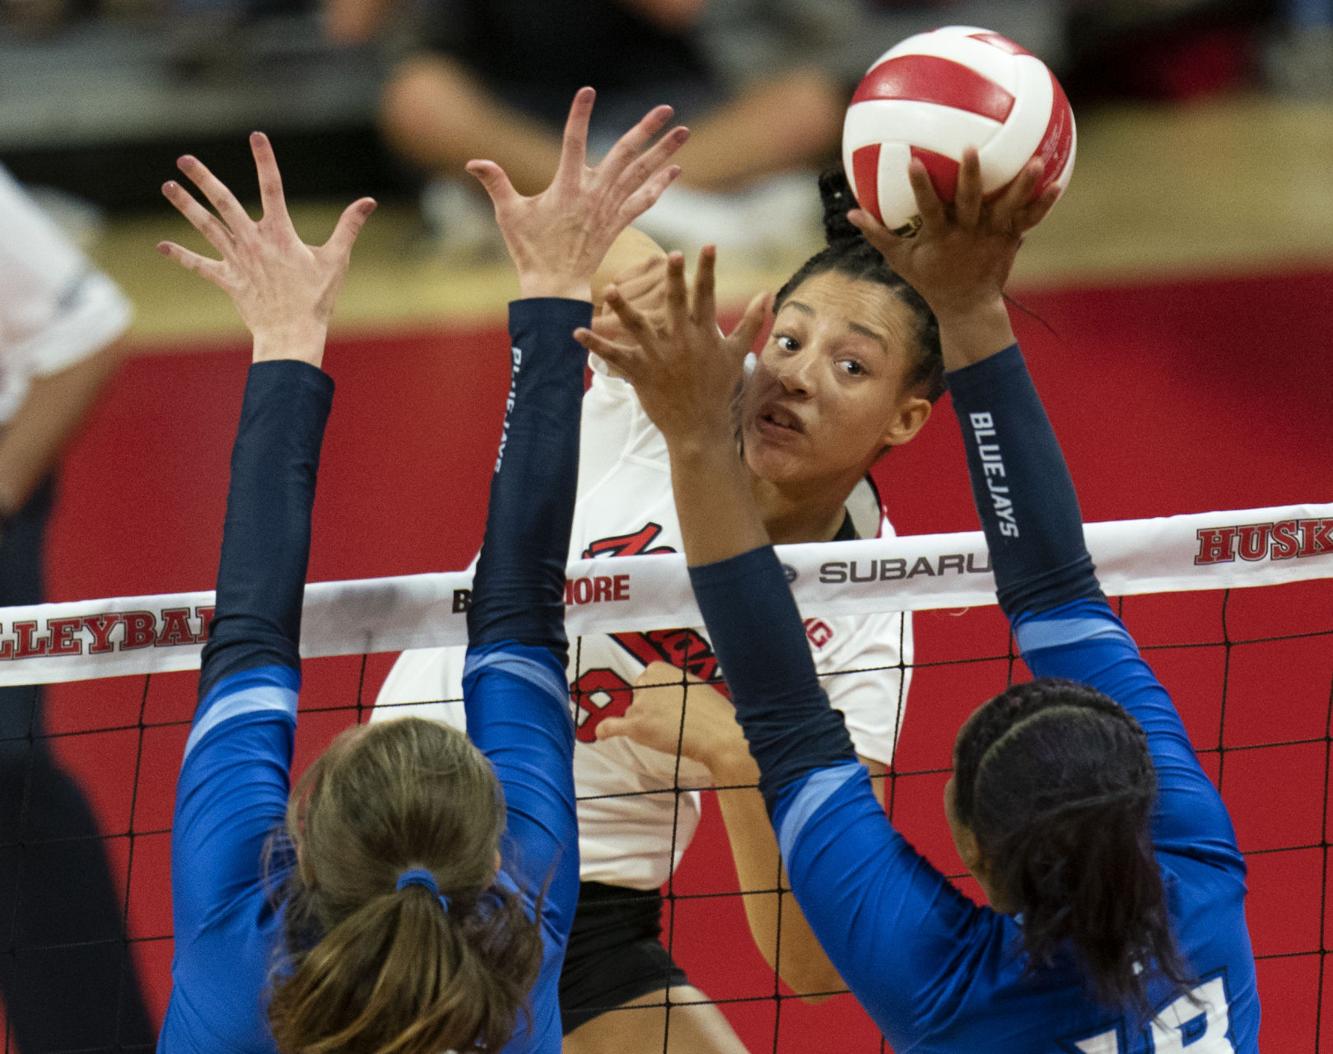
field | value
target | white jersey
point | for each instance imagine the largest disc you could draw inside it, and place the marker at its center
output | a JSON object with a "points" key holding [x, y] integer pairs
{"points": [[55, 306], [634, 824]]}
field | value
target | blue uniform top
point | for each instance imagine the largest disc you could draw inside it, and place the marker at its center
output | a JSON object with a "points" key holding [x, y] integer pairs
{"points": [[936, 972], [234, 782]]}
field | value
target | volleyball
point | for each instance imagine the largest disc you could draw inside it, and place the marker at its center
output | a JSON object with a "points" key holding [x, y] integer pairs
{"points": [[937, 93]]}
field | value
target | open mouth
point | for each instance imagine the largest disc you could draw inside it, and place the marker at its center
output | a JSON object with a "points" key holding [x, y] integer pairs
{"points": [[774, 420]]}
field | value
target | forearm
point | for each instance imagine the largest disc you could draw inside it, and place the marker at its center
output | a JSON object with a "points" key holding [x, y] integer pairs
{"points": [[266, 536], [1021, 486], [47, 420], [518, 590], [779, 928], [717, 511]]}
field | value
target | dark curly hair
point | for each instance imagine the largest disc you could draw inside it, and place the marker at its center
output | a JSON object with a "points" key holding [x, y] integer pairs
{"points": [[1056, 783]]}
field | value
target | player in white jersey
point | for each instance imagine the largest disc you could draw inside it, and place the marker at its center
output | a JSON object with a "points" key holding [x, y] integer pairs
{"points": [[850, 370], [61, 323]]}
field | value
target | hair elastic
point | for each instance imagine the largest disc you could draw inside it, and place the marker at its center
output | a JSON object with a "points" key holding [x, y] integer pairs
{"points": [[419, 876]]}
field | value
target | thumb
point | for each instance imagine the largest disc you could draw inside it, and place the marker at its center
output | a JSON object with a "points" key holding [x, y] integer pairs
{"points": [[611, 727], [493, 180], [349, 226]]}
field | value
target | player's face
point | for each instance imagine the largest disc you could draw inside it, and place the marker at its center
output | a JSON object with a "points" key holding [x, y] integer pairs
{"points": [[829, 393]]}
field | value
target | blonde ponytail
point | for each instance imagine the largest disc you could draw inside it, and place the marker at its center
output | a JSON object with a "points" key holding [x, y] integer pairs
{"points": [[394, 970]]}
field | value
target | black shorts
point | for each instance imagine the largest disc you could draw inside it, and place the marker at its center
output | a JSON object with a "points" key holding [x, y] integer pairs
{"points": [[615, 953]]}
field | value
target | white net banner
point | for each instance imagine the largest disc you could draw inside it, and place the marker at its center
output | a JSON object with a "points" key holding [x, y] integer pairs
{"points": [[86, 639]]}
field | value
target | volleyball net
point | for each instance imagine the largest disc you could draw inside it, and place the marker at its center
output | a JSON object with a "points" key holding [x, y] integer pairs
{"points": [[1234, 610]]}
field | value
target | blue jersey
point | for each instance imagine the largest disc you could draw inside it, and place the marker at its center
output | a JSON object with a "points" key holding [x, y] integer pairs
{"points": [[939, 974], [232, 796], [234, 783]]}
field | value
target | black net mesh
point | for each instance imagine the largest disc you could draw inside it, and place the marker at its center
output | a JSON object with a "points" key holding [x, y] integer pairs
{"points": [[89, 772]]}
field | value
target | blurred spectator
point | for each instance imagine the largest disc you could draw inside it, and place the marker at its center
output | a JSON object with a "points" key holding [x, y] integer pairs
{"points": [[493, 78], [67, 976], [1299, 58], [1163, 49]]}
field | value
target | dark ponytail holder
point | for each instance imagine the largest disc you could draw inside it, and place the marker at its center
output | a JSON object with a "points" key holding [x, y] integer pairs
{"points": [[837, 197]]}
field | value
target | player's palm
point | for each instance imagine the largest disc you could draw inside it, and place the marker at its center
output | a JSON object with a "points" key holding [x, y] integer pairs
{"points": [[283, 289], [684, 369], [557, 238]]}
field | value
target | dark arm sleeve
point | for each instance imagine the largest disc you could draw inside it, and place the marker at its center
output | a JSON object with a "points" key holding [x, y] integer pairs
{"points": [[233, 785], [266, 537], [514, 688], [1021, 487], [760, 642], [1049, 590], [518, 592]]}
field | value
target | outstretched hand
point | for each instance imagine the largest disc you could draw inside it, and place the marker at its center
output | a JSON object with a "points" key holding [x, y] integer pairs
{"points": [[558, 238], [684, 369], [284, 289], [961, 257]]}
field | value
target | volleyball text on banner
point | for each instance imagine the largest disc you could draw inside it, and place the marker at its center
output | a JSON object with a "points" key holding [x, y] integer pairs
{"points": [[85, 639]]}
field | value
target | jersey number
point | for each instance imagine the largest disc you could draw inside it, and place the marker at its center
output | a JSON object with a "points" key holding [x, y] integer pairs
{"points": [[1194, 1024]]}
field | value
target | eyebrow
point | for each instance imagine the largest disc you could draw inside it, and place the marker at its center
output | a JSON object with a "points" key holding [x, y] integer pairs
{"points": [[855, 327]]}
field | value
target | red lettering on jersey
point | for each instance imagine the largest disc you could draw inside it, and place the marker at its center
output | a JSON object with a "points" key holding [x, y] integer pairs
{"points": [[205, 617], [597, 695], [637, 543], [1217, 545], [62, 632], [1316, 537], [140, 629], [818, 631], [685, 649], [620, 587]]}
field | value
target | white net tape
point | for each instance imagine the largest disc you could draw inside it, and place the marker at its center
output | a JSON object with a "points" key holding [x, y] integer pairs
{"points": [[85, 639]]}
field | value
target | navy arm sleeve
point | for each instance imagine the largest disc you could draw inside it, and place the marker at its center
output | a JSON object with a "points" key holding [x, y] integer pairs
{"points": [[518, 592], [889, 922], [1048, 588], [514, 687], [233, 785], [1021, 487], [761, 645]]}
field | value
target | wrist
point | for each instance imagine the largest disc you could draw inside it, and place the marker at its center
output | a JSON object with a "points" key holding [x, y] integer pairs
{"points": [[534, 286], [731, 764], [304, 343], [972, 332]]}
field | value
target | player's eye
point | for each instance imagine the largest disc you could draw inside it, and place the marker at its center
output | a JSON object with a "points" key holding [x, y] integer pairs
{"points": [[852, 367], [786, 342]]}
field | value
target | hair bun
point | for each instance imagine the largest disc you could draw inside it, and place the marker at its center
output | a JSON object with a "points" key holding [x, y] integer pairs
{"points": [[836, 194]]}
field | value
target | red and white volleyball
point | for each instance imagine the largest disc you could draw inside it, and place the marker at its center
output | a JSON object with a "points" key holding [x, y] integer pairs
{"points": [[936, 94]]}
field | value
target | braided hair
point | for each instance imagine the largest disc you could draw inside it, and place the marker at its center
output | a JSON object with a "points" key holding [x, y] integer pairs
{"points": [[848, 253], [1056, 782]]}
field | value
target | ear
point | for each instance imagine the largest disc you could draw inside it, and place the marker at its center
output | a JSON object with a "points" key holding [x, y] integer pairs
{"points": [[969, 850], [909, 417]]}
